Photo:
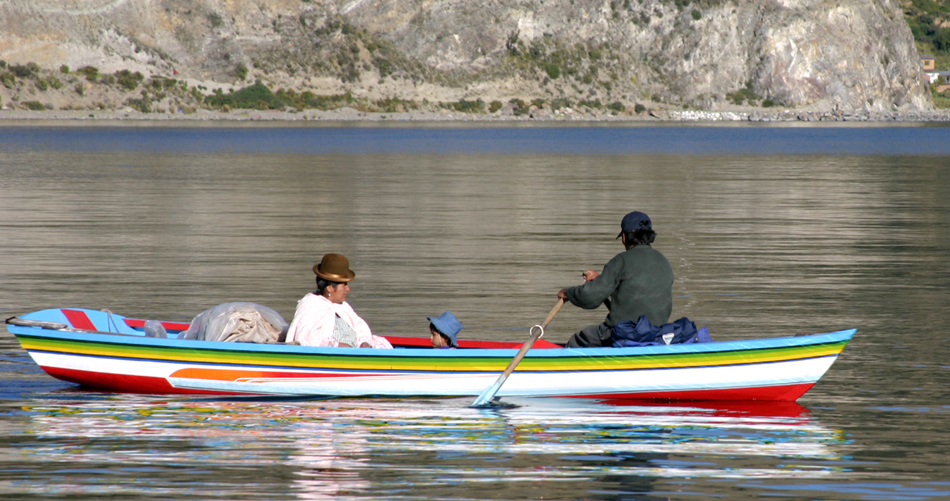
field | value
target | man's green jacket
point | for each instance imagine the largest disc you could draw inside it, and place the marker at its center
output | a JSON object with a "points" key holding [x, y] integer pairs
{"points": [[637, 282]]}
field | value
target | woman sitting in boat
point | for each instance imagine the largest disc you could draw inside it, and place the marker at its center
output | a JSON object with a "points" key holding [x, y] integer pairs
{"points": [[324, 318]]}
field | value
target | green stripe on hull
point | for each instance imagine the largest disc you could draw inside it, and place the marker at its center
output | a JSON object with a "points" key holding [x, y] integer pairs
{"points": [[711, 358], [427, 363]]}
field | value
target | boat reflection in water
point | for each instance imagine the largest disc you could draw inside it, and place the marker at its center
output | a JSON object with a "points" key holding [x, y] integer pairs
{"points": [[321, 449]]}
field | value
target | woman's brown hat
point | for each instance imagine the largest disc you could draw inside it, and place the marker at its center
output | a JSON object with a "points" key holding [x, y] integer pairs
{"points": [[335, 268]]}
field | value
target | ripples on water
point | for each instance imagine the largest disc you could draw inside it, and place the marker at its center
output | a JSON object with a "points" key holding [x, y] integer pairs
{"points": [[415, 448], [770, 231]]}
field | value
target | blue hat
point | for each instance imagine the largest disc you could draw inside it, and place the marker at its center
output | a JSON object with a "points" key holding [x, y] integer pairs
{"points": [[448, 325], [635, 221]]}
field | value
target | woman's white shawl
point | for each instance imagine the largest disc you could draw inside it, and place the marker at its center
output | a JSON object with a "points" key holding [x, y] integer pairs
{"points": [[315, 320]]}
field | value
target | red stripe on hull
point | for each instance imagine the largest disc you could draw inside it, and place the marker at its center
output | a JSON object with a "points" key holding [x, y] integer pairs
{"points": [[784, 393], [122, 383], [79, 320], [171, 326]]}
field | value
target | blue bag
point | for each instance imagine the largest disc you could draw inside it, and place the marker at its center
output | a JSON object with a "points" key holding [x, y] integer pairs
{"points": [[644, 333]]}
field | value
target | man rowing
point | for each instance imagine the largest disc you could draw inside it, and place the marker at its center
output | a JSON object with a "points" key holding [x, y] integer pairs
{"points": [[638, 281]]}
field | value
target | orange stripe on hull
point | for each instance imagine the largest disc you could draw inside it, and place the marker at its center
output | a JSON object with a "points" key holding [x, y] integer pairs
{"points": [[238, 375]]}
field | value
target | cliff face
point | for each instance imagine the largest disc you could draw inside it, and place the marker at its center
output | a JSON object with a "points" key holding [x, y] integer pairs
{"points": [[853, 55]]}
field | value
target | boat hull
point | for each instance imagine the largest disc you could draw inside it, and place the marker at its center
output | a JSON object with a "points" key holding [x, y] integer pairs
{"points": [[778, 369]]}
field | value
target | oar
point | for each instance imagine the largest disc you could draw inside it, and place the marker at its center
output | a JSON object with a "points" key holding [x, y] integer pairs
{"points": [[484, 400]]}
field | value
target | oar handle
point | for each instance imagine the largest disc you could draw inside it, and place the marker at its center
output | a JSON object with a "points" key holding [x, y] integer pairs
{"points": [[557, 308]]}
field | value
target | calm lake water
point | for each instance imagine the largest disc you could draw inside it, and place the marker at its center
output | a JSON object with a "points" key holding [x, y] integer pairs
{"points": [[771, 231]]}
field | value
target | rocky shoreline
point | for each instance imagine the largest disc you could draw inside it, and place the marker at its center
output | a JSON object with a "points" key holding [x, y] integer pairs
{"points": [[86, 117]]}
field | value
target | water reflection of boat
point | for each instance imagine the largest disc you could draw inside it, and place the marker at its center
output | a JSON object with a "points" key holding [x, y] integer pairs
{"points": [[733, 408], [412, 448], [326, 439], [107, 351]]}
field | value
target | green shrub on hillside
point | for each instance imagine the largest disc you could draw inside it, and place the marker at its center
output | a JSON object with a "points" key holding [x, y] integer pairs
{"points": [[140, 104], [395, 105], [91, 73], [593, 104], [519, 107], [561, 103], [476, 106], [257, 97], [928, 23], [309, 100], [941, 99], [742, 95], [128, 80], [28, 70], [240, 72]]}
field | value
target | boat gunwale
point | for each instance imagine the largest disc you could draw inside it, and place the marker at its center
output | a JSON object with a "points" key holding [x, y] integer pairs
{"points": [[132, 341]]}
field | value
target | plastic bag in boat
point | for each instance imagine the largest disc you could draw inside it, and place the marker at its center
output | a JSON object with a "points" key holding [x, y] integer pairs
{"points": [[238, 322], [154, 328], [644, 333]]}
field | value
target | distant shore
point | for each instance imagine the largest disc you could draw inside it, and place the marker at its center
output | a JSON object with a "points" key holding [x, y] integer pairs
{"points": [[129, 117]]}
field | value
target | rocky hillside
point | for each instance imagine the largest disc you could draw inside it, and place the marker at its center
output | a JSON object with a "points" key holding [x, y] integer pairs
{"points": [[857, 56]]}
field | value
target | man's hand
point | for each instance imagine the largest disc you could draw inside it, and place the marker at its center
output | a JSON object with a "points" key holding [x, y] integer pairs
{"points": [[587, 275]]}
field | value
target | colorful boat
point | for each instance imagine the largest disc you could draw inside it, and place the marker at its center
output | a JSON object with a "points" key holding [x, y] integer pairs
{"points": [[106, 351]]}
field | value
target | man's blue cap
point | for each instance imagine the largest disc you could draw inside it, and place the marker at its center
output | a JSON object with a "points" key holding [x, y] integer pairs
{"points": [[447, 324], [635, 221]]}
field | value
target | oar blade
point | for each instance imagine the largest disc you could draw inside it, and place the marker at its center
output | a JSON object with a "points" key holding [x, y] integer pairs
{"points": [[485, 399]]}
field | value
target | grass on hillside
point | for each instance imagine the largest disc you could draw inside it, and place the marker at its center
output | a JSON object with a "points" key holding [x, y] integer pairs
{"points": [[942, 100]]}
